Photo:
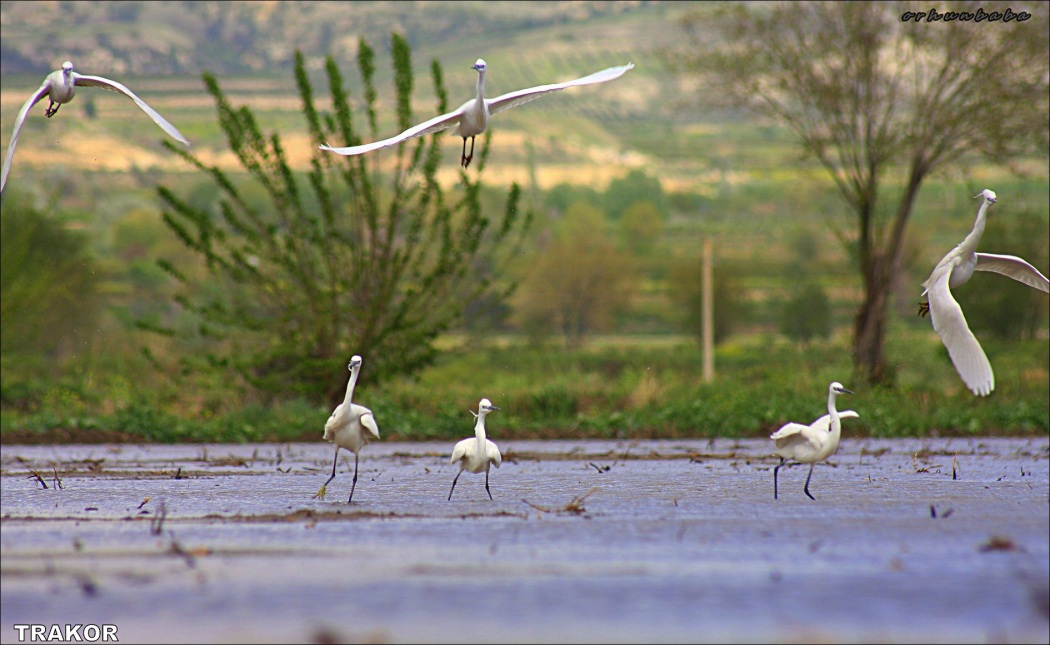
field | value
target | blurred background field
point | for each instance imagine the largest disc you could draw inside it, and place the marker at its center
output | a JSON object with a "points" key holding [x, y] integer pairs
{"points": [[662, 174]]}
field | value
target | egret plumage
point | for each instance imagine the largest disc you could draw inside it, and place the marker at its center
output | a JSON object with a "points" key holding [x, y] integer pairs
{"points": [[955, 269], [813, 443], [473, 116], [60, 87], [477, 453], [350, 426]]}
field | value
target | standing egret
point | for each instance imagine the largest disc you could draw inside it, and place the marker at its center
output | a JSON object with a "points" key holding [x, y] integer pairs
{"points": [[479, 453], [60, 87], [955, 269], [346, 427], [815, 442], [473, 116]]}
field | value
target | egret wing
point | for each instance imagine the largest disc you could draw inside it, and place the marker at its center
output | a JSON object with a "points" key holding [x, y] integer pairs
{"points": [[966, 353], [493, 453], [1013, 267], [369, 422], [824, 422], [81, 80], [460, 451], [437, 124], [512, 99], [19, 120]]}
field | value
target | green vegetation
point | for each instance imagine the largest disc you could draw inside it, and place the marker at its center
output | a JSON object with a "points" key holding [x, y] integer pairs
{"points": [[623, 388], [653, 180]]}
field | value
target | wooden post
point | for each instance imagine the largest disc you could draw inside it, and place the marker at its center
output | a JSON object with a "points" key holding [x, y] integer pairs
{"points": [[707, 315]]}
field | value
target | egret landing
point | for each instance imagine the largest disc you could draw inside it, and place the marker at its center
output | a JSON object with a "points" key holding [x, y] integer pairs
{"points": [[60, 87], [472, 118], [955, 270]]}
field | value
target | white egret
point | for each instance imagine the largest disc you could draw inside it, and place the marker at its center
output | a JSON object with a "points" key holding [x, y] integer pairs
{"points": [[473, 116], [60, 87], [349, 427], [812, 443], [479, 453], [954, 270]]}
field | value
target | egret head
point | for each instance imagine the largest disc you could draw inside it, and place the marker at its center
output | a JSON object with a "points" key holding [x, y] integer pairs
{"points": [[355, 362], [486, 406], [67, 68], [988, 195], [837, 388], [479, 65]]}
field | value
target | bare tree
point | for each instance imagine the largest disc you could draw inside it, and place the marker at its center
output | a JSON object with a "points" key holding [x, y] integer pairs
{"points": [[881, 96]]}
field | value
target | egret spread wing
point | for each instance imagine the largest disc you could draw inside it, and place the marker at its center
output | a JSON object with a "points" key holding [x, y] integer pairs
{"points": [[437, 124], [788, 430], [824, 422], [81, 80], [1013, 267], [30, 102], [518, 97], [963, 348]]}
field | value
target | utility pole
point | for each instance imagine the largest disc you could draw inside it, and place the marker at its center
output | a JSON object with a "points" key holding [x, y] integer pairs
{"points": [[707, 315]]}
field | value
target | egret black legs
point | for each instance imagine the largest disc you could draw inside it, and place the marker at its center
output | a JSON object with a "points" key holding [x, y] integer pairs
{"points": [[465, 158], [52, 109], [924, 308], [807, 481], [778, 466], [354, 484], [487, 483], [457, 474]]}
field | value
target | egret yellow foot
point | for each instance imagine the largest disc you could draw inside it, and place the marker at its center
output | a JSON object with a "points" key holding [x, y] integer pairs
{"points": [[924, 308], [320, 493]]}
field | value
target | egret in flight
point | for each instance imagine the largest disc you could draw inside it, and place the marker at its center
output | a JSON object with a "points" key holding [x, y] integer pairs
{"points": [[60, 87], [473, 116], [954, 270], [350, 427], [815, 442], [477, 454]]}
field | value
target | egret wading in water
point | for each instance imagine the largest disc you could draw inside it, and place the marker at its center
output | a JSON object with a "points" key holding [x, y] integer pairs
{"points": [[815, 442], [954, 270], [473, 116], [60, 87], [350, 427], [479, 453]]}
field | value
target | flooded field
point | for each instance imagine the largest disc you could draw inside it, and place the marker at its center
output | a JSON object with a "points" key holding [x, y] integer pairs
{"points": [[937, 540]]}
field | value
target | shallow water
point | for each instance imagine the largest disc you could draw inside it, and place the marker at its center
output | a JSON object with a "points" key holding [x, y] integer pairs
{"points": [[653, 541]]}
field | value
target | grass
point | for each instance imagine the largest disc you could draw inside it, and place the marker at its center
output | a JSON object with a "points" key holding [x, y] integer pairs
{"points": [[616, 388]]}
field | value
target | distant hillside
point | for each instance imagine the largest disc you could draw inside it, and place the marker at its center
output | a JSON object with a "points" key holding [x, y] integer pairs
{"points": [[183, 38]]}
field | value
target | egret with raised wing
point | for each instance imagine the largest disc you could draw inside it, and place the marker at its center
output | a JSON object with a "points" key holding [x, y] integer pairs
{"points": [[350, 426], [473, 116], [478, 453], [813, 443], [954, 270], [60, 87]]}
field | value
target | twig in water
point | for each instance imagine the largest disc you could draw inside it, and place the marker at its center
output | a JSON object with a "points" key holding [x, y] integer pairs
{"points": [[37, 476]]}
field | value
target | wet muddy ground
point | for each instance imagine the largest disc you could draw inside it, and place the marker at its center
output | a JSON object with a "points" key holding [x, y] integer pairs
{"points": [[937, 540]]}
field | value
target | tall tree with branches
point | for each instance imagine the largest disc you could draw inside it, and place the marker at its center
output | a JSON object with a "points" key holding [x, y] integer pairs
{"points": [[354, 258], [881, 97]]}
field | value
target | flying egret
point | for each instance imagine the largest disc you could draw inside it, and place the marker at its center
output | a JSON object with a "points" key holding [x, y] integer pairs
{"points": [[955, 269], [815, 442], [349, 427], [479, 453], [473, 116], [60, 87]]}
